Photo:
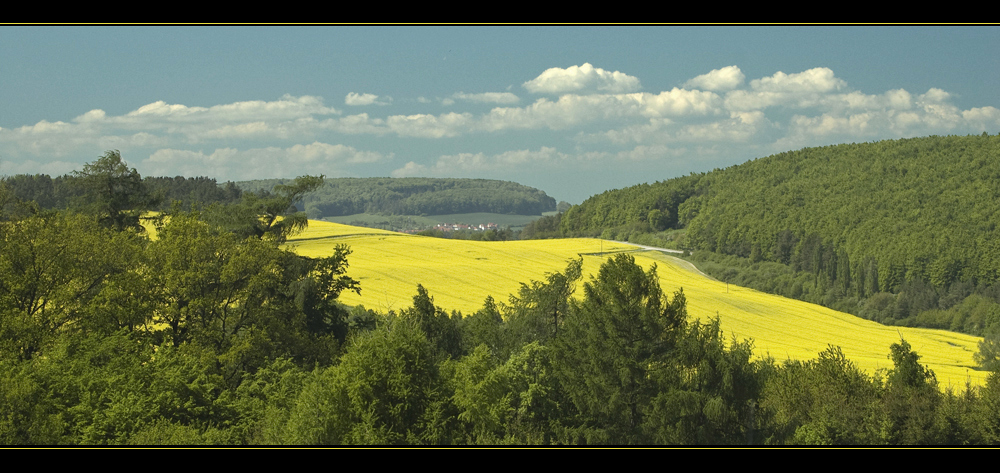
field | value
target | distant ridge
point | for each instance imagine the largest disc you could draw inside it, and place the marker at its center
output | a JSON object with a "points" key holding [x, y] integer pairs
{"points": [[416, 196]]}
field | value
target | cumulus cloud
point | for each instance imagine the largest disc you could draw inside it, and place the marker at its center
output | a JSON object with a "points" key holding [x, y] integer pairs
{"points": [[429, 126], [557, 80], [726, 78], [162, 124], [61, 139], [716, 114], [983, 118], [410, 169], [737, 128], [234, 164], [355, 99], [355, 124], [285, 108], [476, 164], [896, 113], [803, 89], [816, 80], [487, 97]]}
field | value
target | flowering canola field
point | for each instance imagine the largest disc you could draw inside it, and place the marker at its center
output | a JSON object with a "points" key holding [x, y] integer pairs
{"points": [[461, 274]]}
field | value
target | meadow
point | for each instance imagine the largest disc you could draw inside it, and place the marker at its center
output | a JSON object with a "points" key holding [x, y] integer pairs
{"points": [[460, 275]]}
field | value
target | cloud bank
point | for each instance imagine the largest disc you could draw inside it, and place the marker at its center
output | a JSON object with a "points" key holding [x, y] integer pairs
{"points": [[584, 114]]}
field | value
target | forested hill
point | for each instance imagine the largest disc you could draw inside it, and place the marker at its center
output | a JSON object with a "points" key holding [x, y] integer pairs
{"points": [[417, 196], [864, 218]]}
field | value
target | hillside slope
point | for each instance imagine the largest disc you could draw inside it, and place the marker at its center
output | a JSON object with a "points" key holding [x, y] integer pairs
{"points": [[919, 217], [461, 274]]}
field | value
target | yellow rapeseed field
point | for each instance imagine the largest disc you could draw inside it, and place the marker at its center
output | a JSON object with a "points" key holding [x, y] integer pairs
{"points": [[461, 274]]}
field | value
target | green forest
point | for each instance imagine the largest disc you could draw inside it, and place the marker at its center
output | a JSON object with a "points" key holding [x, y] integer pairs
{"points": [[416, 196], [334, 198], [213, 334], [902, 232]]}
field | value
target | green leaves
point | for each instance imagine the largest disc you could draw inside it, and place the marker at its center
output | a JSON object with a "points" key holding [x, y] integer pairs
{"points": [[114, 192], [624, 329], [265, 215], [385, 391]]}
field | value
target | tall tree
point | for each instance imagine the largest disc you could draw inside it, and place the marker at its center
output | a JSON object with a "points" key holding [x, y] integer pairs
{"points": [[113, 192], [267, 215], [385, 391], [623, 330], [911, 399]]}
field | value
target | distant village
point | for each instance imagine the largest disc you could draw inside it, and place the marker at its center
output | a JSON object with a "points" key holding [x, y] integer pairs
{"points": [[454, 227]]}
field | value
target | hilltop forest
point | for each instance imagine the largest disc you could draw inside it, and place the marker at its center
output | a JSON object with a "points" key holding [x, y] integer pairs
{"points": [[335, 197], [416, 196], [903, 232], [213, 333]]}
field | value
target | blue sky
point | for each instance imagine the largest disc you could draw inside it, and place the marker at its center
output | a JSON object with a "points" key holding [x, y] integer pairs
{"points": [[572, 110]]}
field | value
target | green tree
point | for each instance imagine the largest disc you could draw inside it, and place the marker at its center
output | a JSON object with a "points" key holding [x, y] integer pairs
{"points": [[55, 270], [658, 220], [824, 401], [708, 396], [623, 331], [911, 399], [270, 216], [316, 295], [442, 331], [518, 402], [385, 391], [988, 355], [540, 308], [113, 192]]}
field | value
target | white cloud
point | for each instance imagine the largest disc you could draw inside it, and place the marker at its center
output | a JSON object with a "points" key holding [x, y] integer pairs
{"points": [[816, 80], [487, 97], [355, 99], [739, 127], [680, 102], [572, 110], [832, 125], [285, 108], [60, 139], [410, 169], [479, 164], [804, 89], [726, 78], [717, 114], [898, 99], [355, 124], [430, 126], [983, 118], [234, 164], [582, 78], [158, 123]]}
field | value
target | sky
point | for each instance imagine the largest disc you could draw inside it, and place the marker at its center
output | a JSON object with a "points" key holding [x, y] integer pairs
{"points": [[572, 110]]}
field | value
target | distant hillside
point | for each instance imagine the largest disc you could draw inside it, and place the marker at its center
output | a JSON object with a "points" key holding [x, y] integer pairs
{"points": [[62, 192], [917, 216], [417, 196]]}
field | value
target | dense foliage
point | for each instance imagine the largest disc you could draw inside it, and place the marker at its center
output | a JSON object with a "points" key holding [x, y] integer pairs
{"points": [[211, 333], [63, 192], [417, 196], [901, 231]]}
